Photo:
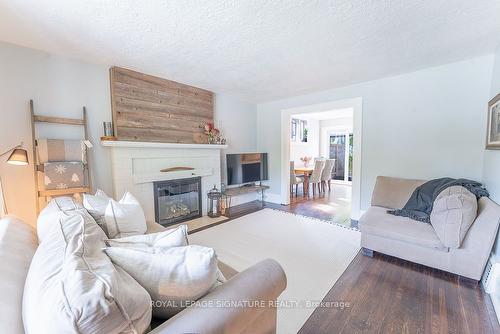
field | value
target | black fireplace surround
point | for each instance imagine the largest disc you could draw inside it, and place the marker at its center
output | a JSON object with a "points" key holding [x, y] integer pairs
{"points": [[177, 200]]}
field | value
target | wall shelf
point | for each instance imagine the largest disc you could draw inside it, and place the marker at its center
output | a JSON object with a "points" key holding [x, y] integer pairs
{"points": [[136, 144]]}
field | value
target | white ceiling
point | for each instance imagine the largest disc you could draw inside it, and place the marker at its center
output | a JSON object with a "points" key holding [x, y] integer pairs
{"points": [[258, 50]]}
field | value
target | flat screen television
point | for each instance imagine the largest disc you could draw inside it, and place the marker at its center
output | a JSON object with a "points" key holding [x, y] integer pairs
{"points": [[246, 168]]}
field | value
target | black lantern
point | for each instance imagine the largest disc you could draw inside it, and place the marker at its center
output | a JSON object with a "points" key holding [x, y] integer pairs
{"points": [[214, 201]]}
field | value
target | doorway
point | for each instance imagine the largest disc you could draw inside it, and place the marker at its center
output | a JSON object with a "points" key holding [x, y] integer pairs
{"points": [[346, 146]]}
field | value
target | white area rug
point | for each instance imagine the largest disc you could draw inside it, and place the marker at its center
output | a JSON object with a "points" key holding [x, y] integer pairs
{"points": [[313, 253]]}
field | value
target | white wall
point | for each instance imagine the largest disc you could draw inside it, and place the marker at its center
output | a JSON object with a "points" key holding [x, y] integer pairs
{"points": [[237, 121], [491, 163], [311, 147], [60, 87], [424, 124]]}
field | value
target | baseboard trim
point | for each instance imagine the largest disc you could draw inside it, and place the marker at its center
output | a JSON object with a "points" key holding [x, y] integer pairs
{"points": [[272, 198], [491, 283]]}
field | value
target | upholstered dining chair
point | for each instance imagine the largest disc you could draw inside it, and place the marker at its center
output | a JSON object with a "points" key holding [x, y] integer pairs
{"points": [[326, 176], [315, 178], [294, 180]]}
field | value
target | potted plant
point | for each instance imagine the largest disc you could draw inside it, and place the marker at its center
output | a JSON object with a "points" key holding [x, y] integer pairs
{"points": [[214, 135]]}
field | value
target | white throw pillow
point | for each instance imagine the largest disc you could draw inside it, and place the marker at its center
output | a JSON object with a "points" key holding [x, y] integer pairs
{"points": [[73, 287], [96, 205], [173, 237], [173, 276], [125, 218]]}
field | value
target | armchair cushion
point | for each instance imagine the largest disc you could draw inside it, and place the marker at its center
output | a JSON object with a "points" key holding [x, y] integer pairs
{"points": [[392, 192], [453, 213], [376, 221]]}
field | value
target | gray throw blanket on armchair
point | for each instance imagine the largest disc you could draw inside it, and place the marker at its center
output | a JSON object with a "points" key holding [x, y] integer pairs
{"points": [[419, 206]]}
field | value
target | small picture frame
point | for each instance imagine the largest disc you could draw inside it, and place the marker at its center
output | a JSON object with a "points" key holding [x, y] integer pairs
{"points": [[493, 130]]}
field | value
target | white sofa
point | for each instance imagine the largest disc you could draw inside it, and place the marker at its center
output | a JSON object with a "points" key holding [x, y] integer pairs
{"points": [[263, 281], [418, 242]]}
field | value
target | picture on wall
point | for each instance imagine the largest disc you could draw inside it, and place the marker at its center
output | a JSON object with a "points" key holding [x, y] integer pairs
{"points": [[493, 131]]}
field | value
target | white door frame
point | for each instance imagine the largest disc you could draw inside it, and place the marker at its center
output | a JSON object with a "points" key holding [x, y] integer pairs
{"points": [[357, 105]]}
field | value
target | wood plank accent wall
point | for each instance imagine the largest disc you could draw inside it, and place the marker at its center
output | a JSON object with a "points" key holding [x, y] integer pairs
{"points": [[151, 109]]}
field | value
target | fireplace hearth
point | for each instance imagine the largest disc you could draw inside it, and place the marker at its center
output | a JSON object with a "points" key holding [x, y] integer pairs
{"points": [[177, 200]]}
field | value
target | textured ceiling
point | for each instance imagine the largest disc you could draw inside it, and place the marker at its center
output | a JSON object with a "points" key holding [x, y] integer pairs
{"points": [[258, 50]]}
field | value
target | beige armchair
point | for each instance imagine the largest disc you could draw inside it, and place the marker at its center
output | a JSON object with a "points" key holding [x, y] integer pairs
{"points": [[418, 242]]}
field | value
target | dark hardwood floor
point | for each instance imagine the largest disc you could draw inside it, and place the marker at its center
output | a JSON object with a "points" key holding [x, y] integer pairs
{"points": [[333, 205], [388, 295]]}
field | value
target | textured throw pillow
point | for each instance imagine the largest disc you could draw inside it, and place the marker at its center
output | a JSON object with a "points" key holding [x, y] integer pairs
{"points": [[125, 218], [96, 205], [73, 287], [173, 237], [173, 276], [453, 213]]}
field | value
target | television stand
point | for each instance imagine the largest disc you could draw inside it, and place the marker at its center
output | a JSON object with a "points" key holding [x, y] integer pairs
{"points": [[241, 190]]}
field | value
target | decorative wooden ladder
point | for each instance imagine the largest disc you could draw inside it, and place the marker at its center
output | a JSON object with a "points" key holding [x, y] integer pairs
{"points": [[39, 168]]}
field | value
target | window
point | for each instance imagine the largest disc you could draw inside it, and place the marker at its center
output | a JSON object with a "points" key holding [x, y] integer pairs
{"points": [[299, 130]]}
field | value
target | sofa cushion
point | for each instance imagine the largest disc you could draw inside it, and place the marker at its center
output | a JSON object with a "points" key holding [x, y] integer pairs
{"points": [[377, 221], [17, 245], [453, 213], [173, 237], [72, 286], [393, 192], [173, 276]]}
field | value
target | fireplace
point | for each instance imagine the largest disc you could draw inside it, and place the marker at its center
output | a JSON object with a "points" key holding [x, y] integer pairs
{"points": [[177, 200]]}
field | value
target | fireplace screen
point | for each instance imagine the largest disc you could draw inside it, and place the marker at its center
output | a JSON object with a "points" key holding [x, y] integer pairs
{"points": [[177, 200]]}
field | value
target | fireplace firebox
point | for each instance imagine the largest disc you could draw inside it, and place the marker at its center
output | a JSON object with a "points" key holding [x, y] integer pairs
{"points": [[177, 200]]}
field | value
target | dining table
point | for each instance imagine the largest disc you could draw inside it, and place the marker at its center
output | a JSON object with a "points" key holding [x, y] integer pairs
{"points": [[306, 171]]}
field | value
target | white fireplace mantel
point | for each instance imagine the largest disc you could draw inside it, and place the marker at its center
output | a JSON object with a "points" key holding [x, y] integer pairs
{"points": [[135, 166], [136, 144]]}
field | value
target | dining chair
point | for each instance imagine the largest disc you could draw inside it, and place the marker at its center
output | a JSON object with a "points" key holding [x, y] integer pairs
{"points": [[294, 180], [315, 178], [326, 175]]}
